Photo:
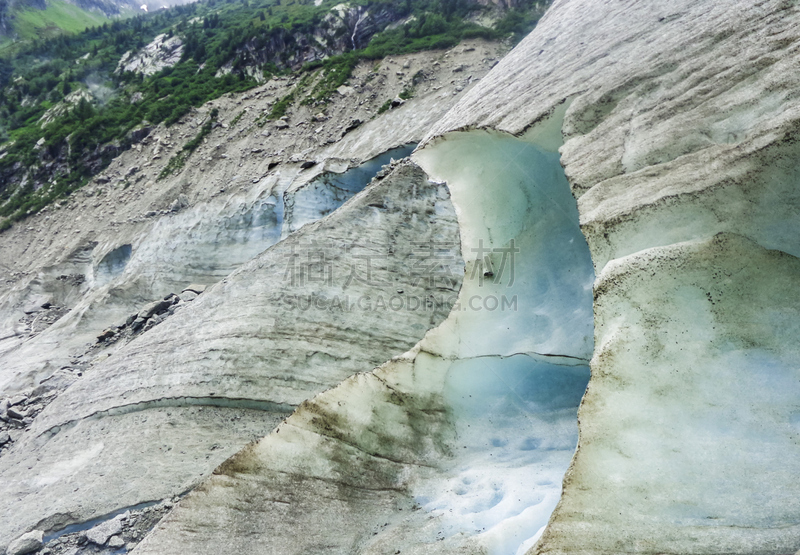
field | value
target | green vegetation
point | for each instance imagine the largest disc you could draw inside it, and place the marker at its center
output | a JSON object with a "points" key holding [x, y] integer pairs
{"points": [[225, 42], [385, 106], [336, 72], [58, 17], [408, 93], [516, 24], [177, 162], [238, 117], [280, 107]]}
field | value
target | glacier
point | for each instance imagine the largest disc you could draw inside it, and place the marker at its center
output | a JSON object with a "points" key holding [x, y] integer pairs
{"points": [[638, 163]]}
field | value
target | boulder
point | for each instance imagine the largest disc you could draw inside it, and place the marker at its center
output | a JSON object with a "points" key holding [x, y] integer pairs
{"points": [[16, 413], [26, 543], [37, 304], [355, 123], [106, 334], [156, 307], [100, 534], [179, 203]]}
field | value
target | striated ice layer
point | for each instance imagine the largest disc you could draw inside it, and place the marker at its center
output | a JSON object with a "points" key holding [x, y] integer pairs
{"points": [[330, 190], [196, 243], [206, 243], [517, 343]]}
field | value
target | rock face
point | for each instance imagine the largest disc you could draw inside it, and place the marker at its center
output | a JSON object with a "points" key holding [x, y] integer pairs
{"points": [[162, 52]]}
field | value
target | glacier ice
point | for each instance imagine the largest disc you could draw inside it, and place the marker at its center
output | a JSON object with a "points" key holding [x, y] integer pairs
{"points": [[465, 438], [206, 243], [202, 243], [180, 399], [328, 191], [517, 344], [112, 264], [516, 430], [509, 195]]}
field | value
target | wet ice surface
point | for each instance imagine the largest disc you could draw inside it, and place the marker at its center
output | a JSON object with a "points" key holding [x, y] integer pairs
{"points": [[330, 190], [519, 341], [511, 195], [517, 432], [112, 264]]}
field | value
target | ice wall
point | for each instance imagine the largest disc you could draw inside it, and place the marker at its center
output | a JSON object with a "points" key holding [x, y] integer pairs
{"points": [[201, 243], [518, 345], [681, 146], [330, 190], [178, 400], [206, 243], [461, 444], [519, 223]]}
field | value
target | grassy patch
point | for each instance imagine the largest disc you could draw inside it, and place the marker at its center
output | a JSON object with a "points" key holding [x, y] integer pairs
{"points": [[336, 72], [280, 107], [57, 17], [239, 116], [177, 162], [385, 106], [408, 93]]}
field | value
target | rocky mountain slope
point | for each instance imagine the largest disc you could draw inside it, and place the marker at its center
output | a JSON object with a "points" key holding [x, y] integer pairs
{"points": [[291, 343], [70, 104]]}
